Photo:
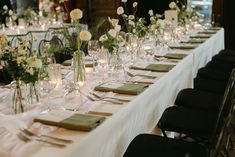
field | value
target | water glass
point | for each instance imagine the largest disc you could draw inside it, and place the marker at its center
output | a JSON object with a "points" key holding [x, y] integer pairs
{"points": [[54, 71], [93, 47]]}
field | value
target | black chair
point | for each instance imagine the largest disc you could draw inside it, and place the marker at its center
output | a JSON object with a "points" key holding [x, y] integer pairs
{"points": [[197, 124], [201, 100], [147, 145]]}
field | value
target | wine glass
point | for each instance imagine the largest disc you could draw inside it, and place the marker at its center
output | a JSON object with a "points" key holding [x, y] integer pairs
{"points": [[93, 47], [102, 60]]}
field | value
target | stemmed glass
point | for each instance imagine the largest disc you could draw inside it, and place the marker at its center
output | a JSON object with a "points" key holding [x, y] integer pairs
{"points": [[102, 60], [93, 47]]}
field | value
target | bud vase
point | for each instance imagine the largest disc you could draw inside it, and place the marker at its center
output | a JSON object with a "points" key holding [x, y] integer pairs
{"points": [[17, 98], [33, 95], [79, 67]]}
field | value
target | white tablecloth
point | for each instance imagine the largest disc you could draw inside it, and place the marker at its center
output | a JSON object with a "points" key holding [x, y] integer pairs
{"points": [[140, 115]]}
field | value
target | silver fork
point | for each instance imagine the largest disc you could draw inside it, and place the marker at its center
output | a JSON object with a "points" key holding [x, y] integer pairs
{"points": [[29, 133], [27, 139]]}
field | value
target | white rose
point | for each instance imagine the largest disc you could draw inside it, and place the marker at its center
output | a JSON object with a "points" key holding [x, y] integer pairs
{"points": [[112, 32], [131, 17], [76, 14], [134, 30], [5, 7], [151, 12], [172, 5], [117, 28], [103, 38], [152, 19], [134, 4], [120, 10], [85, 35], [10, 12], [124, 1]]}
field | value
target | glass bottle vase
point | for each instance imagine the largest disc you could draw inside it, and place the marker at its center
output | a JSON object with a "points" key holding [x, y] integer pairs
{"points": [[17, 98], [79, 67]]}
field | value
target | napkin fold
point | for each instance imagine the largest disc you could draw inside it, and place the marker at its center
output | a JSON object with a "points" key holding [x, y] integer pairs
{"points": [[173, 55], [194, 41], [183, 46], [201, 36], [76, 121], [122, 88], [154, 67]]}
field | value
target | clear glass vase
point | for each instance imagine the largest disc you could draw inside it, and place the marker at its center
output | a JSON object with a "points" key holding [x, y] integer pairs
{"points": [[17, 98], [33, 96], [79, 67]]}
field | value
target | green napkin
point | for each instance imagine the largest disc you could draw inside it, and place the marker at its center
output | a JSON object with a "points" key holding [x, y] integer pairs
{"points": [[68, 63], [201, 36], [75, 122], [188, 46], [208, 32], [155, 67], [124, 88], [194, 41], [173, 55]]}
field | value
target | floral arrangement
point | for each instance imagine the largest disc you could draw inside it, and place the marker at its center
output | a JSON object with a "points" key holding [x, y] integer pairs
{"points": [[110, 39], [17, 61], [7, 13], [133, 25], [183, 14]]}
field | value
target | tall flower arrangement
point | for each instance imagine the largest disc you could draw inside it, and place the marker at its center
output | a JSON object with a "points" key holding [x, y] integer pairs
{"points": [[133, 25]]}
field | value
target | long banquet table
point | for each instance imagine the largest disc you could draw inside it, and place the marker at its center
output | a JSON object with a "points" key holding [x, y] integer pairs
{"points": [[141, 115]]}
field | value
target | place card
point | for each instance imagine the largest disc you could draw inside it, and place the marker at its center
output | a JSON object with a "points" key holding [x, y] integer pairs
{"points": [[154, 67], [172, 16], [70, 120], [122, 88]]}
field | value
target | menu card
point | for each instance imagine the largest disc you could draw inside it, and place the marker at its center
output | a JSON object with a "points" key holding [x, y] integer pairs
{"points": [[122, 87], [70, 120]]}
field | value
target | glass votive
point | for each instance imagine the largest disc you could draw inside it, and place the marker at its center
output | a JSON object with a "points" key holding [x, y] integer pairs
{"points": [[54, 72]]}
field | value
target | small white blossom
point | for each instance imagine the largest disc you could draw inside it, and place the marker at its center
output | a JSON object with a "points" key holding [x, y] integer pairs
{"points": [[103, 38], [112, 32], [117, 28], [134, 4], [130, 22], [151, 12], [5, 7], [124, 1], [172, 5], [10, 12], [120, 10], [113, 22], [131, 17]]}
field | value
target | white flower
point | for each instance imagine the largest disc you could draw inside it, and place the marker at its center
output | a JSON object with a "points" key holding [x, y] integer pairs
{"points": [[112, 32], [134, 30], [30, 71], [5, 7], [131, 17], [10, 12], [117, 28], [20, 59], [152, 19], [151, 12], [76, 14], [34, 62], [120, 10], [103, 38], [134, 4], [172, 5], [85, 35], [124, 1], [132, 23], [113, 22]]}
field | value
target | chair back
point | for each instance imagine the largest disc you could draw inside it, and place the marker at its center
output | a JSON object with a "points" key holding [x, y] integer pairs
{"points": [[224, 117]]}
